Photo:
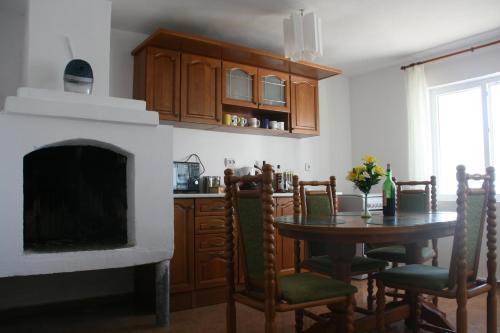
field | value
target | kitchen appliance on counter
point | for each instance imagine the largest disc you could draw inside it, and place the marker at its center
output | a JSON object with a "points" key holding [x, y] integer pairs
{"points": [[186, 177], [211, 184]]}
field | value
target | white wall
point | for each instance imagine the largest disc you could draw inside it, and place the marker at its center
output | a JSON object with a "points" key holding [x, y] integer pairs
{"points": [[328, 153], [86, 23], [379, 120], [12, 29]]}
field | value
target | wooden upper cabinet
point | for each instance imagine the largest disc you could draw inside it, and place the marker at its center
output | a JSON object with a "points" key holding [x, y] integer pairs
{"points": [[274, 90], [201, 89], [157, 79], [239, 84], [305, 108], [182, 262]]}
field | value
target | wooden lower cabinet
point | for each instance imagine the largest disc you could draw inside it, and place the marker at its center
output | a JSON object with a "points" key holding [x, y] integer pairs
{"points": [[285, 245], [198, 267]]}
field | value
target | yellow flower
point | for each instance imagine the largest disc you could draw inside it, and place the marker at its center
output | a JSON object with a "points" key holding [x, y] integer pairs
{"points": [[360, 168], [351, 176], [369, 159], [379, 170]]}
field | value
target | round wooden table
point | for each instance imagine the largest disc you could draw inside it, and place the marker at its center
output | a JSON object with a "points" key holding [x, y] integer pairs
{"points": [[343, 231]]}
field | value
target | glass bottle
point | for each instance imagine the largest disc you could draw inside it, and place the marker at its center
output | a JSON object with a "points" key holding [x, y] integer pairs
{"points": [[389, 194]]}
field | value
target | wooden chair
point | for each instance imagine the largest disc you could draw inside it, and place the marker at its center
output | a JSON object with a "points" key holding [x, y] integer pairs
{"points": [[411, 200], [252, 214], [316, 258], [459, 281]]}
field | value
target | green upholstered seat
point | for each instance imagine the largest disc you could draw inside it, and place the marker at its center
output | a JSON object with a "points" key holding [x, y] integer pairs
{"points": [[323, 264], [416, 276], [413, 202], [397, 253], [308, 287], [251, 233], [407, 202], [317, 204]]}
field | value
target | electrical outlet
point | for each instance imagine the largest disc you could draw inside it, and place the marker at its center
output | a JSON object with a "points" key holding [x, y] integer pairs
{"points": [[307, 166], [229, 162]]}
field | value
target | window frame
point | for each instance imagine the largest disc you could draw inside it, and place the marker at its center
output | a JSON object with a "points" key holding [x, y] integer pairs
{"points": [[484, 83]]}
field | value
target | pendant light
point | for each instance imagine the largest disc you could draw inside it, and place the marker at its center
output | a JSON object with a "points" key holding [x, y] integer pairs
{"points": [[303, 40]]}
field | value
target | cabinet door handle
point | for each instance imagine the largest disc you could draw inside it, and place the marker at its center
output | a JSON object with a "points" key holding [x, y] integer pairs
{"points": [[217, 244]]}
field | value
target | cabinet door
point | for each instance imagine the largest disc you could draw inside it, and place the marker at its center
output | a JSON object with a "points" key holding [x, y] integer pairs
{"points": [[163, 81], [182, 262], [285, 245], [201, 89], [239, 85], [211, 269], [274, 90], [305, 109]]}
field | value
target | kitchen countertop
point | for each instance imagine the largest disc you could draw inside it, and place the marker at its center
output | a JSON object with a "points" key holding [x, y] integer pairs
{"points": [[221, 195]]}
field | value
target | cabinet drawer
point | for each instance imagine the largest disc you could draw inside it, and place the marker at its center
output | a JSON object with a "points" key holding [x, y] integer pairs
{"points": [[210, 242], [209, 225], [209, 207]]}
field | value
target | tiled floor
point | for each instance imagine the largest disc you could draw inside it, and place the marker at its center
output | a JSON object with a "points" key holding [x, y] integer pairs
{"points": [[209, 319]]}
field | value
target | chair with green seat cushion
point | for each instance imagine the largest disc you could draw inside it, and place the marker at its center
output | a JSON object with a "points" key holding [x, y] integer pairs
{"points": [[410, 200], [460, 280], [314, 202], [251, 213]]}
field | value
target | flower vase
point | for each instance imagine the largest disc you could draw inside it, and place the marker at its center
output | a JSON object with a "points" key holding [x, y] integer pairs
{"points": [[366, 213]]}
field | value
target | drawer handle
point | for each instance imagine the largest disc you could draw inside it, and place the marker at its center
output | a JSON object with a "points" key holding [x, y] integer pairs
{"points": [[211, 226], [217, 244]]}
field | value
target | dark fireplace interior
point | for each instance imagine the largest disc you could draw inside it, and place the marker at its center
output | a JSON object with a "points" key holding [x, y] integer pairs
{"points": [[75, 198]]}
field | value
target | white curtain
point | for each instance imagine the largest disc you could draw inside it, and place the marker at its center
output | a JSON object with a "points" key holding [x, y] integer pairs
{"points": [[419, 124]]}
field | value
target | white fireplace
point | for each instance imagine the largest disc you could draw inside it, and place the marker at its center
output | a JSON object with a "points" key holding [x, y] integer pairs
{"points": [[85, 184]]}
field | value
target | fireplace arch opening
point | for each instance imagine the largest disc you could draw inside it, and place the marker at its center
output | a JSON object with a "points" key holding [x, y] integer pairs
{"points": [[75, 198]]}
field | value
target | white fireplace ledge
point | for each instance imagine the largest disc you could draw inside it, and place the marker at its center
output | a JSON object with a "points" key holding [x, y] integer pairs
{"points": [[60, 104], [64, 262]]}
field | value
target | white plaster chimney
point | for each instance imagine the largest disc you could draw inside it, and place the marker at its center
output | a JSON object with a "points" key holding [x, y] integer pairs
{"points": [[87, 24]]}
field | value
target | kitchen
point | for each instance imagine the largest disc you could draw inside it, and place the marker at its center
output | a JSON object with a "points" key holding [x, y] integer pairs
{"points": [[362, 110]]}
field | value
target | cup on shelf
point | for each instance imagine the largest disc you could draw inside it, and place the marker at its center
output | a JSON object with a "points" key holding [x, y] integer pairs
{"points": [[264, 123], [227, 119], [273, 124], [254, 122], [234, 120], [281, 125], [242, 121]]}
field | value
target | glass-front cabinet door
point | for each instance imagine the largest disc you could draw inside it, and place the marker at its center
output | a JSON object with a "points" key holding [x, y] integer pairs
{"points": [[239, 84], [274, 90]]}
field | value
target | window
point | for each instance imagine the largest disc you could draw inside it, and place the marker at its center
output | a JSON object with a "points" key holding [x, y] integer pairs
{"points": [[465, 129]]}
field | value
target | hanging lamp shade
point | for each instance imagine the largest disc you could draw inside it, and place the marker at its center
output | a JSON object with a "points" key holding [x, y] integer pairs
{"points": [[302, 33]]}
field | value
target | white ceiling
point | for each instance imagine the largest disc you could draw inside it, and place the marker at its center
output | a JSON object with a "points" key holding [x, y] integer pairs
{"points": [[357, 34]]}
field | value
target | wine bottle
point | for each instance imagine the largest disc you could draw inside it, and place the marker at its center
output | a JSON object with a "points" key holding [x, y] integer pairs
{"points": [[389, 194]]}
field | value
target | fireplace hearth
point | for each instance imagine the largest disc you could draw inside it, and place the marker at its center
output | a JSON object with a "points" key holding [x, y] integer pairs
{"points": [[75, 198]]}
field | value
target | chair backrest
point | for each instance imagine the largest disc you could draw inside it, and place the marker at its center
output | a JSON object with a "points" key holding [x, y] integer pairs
{"points": [[252, 214], [315, 202], [473, 205], [416, 200]]}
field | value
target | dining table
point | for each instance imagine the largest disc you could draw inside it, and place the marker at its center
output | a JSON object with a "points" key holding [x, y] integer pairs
{"points": [[342, 231]]}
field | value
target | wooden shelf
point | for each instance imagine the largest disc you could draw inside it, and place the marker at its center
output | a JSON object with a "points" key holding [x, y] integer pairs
{"points": [[238, 129], [185, 42]]}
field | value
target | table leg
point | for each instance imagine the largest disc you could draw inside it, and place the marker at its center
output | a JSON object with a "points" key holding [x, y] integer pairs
{"points": [[341, 256]]}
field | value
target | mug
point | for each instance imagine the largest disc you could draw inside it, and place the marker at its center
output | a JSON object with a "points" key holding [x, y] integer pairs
{"points": [[234, 120], [242, 121], [227, 119], [254, 122], [281, 125], [273, 124], [264, 123]]}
